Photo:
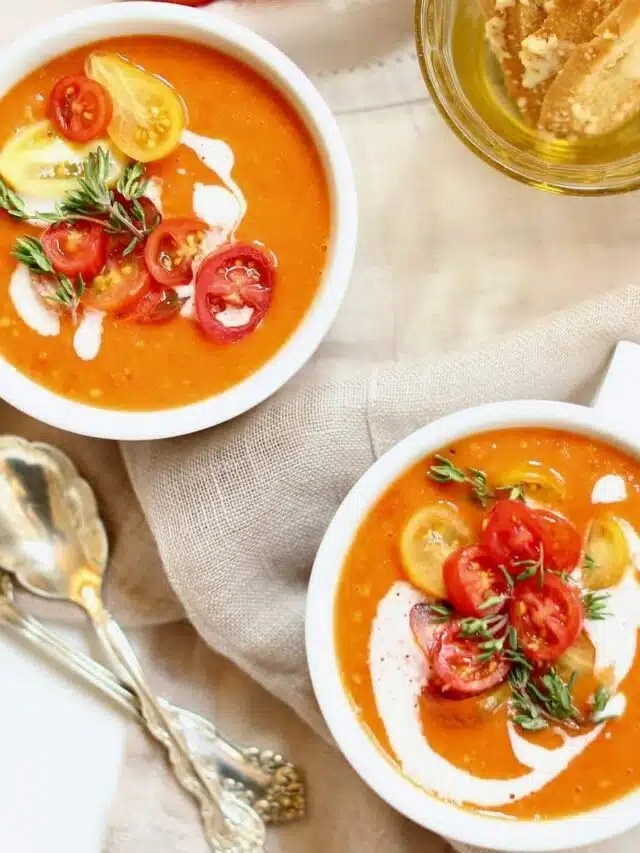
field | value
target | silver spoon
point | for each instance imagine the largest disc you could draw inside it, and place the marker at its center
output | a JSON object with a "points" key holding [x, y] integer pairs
{"points": [[261, 777], [53, 541]]}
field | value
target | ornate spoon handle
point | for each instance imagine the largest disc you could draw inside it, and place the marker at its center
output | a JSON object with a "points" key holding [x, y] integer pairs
{"points": [[262, 778], [240, 833]]}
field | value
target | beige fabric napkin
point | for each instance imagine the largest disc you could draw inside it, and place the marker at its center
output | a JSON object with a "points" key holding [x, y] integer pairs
{"points": [[451, 256], [255, 497]]}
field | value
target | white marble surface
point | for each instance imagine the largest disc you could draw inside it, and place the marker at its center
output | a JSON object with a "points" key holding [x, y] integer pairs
{"points": [[60, 754]]}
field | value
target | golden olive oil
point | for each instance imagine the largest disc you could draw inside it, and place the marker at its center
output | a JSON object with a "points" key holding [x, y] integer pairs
{"points": [[480, 78]]}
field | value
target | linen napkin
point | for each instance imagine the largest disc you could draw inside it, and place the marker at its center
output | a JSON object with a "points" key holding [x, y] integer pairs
{"points": [[452, 256], [255, 497]]}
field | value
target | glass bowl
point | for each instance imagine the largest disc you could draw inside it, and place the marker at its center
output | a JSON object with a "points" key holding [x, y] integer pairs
{"points": [[466, 84]]}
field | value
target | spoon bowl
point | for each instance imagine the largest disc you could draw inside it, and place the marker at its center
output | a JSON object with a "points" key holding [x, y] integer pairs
{"points": [[49, 524]]}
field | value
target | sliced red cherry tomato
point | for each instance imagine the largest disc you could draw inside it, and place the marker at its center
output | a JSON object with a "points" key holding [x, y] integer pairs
{"points": [[561, 541], [472, 577], [81, 108], [547, 617], [171, 250], [233, 291], [155, 307], [458, 669], [426, 630], [76, 248], [513, 535], [121, 283]]}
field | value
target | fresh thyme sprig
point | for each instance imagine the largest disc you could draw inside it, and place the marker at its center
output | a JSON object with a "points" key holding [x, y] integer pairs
{"points": [[537, 703], [29, 251], [516, 492], [439, 611], [493, 639], [588, 563], [595, 605], [447, 472], [599, 704], [11, 202], [92, 198], [531, 568], [526, 714]]}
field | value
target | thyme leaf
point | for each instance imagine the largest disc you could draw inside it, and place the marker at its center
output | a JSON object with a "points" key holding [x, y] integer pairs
{"points": [[92, 198], [446, 471], [595, 605], [29, 251], [11, 202]]}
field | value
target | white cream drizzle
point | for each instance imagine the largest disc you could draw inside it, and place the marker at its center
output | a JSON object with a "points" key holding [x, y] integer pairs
{"points": [[609, 489], [29, 307], [218, 157], [88, 335], [153, 192], [399, 673], [233, 317], [218, 207]]}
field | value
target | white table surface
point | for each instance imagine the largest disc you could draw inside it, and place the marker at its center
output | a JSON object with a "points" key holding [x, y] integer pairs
{"points": [[61, 747]]}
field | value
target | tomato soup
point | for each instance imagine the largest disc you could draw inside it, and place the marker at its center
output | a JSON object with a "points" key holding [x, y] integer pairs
{"points": [[487, 623], [206, 245]]}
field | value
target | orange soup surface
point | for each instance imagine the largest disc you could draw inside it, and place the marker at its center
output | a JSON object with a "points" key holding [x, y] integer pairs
{"points": [[155, 365], [579, 587]]}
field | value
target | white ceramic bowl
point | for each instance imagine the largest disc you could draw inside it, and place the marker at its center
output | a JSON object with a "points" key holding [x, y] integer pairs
{"points": [[204, 27], [616, 419]]}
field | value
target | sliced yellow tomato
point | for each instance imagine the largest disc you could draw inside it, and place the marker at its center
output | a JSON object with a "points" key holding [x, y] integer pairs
{"points": [[540, 483], [606, 553], [579, 658], [148, 114], [428, 538], [37, 162]]}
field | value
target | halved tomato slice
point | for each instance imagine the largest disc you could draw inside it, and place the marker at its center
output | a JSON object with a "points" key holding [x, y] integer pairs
{"points": [[561, 541], [607, 554], [148, 114], [121, 283], [548, 617], [233, 291], [76, 248], [426, 630], [430, 535], [172, 248], [155, 307], [513, 535], [541, 483], [472, 579], [459, 667], [38, 161], [81, 108]]}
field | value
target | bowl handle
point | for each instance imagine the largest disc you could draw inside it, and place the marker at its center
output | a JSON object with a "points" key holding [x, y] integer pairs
{"points": [[617, 399]]}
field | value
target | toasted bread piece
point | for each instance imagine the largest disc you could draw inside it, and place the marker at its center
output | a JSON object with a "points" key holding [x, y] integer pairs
{"points": [[568, 24], [598, 89], [508, 23]]}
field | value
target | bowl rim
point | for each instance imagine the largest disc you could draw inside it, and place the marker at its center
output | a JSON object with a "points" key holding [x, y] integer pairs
{"points": [[359, 748], [208, 27]]}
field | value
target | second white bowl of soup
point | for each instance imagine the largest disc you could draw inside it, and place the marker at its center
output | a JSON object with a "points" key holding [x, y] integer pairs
{"points": [[472, 622]]}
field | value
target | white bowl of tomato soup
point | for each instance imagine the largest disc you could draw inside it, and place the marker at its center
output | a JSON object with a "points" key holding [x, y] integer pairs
{"points": [[472, 622], [178, 221]]}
